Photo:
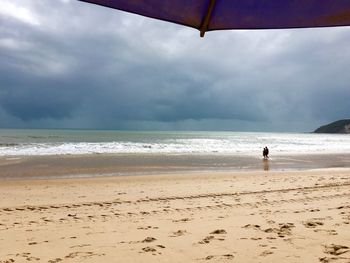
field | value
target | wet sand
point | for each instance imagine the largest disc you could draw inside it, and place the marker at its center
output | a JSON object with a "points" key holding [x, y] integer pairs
{"points": [[266, 216], [70, 166]]}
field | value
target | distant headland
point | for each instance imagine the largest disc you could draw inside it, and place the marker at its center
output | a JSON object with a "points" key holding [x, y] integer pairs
{"points": [[341, 126]]}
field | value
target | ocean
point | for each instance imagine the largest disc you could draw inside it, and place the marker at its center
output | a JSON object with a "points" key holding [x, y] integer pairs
{"points": [[22, 142]]}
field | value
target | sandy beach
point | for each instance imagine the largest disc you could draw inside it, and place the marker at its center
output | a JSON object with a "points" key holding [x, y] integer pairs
{"points": [[174, 131], [274, 216]]}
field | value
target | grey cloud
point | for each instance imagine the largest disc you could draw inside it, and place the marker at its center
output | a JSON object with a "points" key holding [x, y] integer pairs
{"points": [[93, 67]]}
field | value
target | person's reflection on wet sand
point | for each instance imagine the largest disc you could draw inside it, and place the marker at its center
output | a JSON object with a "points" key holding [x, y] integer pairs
{"points": [[266, 164]]}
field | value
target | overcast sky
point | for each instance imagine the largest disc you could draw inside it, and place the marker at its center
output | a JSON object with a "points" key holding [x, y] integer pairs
{"points": [[69, 64]]}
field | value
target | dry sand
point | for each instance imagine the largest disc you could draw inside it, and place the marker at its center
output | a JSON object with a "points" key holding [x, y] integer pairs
{"points": [[299, 216]]}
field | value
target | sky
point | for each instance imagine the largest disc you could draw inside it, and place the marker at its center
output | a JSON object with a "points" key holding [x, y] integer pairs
{"points": [[70, 64]]}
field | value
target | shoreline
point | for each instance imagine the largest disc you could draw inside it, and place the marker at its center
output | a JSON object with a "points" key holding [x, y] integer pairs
{"points": [[74, 166]]}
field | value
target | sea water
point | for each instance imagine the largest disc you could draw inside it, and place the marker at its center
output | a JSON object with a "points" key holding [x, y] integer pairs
{"points": [[21, 142]]}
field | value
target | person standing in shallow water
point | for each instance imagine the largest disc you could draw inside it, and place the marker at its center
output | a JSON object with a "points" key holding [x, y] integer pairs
{"points": [[266, 159], [266, 153]]}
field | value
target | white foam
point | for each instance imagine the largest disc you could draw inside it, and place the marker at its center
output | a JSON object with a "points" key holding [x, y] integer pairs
{"points": [[230, 143]]}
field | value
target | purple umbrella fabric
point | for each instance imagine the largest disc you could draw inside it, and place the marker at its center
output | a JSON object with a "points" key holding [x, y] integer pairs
{"points": [[208, 15]]}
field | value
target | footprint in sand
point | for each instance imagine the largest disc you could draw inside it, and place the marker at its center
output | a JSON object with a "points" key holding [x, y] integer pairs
{"points": [[255, 238], [218, 232], [335, 250], [148, 240], [82, 245], [220, 257], [27, 256], [83, 255], [178, 233], [314, 210], [331, 232], [182, 220], [147, 227], [206, 240], [251, 226], [334, 259], [283, 229], [312, 223], [55, 260], [266, 253], [149, 249], [152, 250]]}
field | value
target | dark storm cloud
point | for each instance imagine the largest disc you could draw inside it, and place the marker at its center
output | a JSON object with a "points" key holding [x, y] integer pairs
{"points": [[72, 64]]}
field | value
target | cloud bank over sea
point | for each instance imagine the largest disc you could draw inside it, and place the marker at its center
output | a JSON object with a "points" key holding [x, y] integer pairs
{"points": [[68, 64]]}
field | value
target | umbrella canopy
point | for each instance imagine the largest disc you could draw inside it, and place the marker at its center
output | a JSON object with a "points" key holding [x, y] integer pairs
{"points": [[207, 15]]}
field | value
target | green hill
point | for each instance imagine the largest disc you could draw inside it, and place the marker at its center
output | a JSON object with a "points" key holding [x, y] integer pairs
{"points": [[341, 126]]}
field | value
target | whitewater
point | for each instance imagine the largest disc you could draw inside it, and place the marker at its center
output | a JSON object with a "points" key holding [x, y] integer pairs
{"points": [[80, 142]]}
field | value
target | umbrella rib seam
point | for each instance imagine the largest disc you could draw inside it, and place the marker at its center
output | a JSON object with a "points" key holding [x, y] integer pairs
{"points": [[206, 19]]}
